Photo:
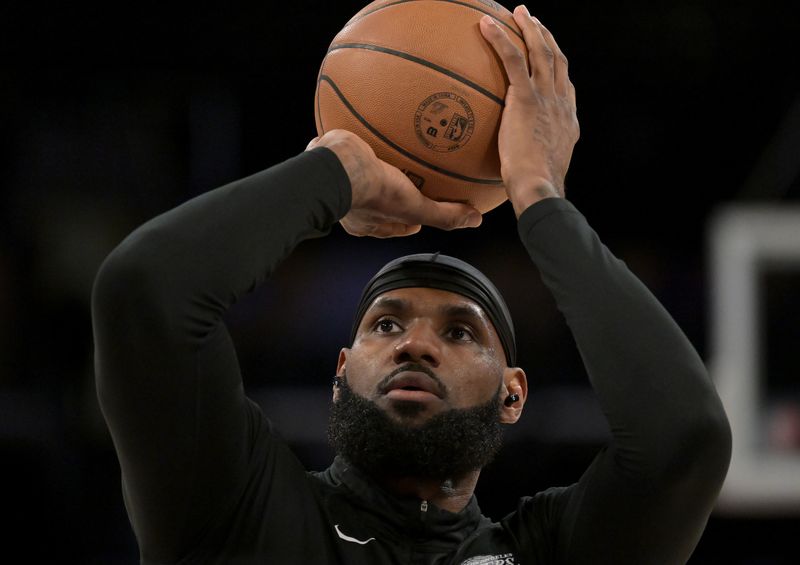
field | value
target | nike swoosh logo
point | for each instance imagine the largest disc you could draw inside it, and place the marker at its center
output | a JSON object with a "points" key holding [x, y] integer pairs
{"points": [[348, 538]]}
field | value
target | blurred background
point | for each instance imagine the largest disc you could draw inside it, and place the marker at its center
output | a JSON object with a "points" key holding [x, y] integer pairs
{"points": [[112, 114]]}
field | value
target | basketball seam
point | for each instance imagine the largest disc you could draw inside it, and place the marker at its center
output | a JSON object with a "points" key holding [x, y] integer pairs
{"points": [[396, 147], [423, 62], [501, 22], [316, 98]]}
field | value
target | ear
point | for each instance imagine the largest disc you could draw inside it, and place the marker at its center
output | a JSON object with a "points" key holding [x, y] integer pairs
{"points": [[340, 370], [514, 382]]}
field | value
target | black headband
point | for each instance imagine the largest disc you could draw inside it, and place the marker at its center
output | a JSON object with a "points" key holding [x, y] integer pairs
{"points": [[432, 270]]}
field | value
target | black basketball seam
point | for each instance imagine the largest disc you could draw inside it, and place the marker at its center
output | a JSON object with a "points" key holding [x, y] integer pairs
{"points": [[501, 22], [420, 61], [319, 112], [396, 147]]}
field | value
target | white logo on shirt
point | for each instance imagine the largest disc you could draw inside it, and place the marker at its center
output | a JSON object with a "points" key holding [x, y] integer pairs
{"points": [[348, 538], [505, 559]]}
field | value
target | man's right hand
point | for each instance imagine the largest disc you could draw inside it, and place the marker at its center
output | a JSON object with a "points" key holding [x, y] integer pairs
{"points": [[385, 203]]}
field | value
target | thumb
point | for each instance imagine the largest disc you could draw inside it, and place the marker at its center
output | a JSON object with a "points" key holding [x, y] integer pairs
{"points": [[442, 215], [412, 207], [449, 215]]}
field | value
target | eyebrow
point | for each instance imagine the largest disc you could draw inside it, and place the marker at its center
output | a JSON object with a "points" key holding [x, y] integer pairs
{"points": [[388, 303], [470, 312]]}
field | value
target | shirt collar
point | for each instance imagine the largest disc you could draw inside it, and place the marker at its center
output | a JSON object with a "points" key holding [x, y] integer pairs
{"points": [[405, 513]]}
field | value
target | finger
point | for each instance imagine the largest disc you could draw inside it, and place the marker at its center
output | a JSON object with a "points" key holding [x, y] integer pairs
{"points": [[560, 63], [540, 54], [514, 60], [381, 231], [409, 206], [443, 215], [312, 143], [385, 231]]}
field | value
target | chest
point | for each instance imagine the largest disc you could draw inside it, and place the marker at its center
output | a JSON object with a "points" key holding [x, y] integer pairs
{"points": [[352, 537]]}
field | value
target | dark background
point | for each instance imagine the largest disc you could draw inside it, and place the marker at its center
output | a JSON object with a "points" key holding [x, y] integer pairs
{"points": [[112, 114]]}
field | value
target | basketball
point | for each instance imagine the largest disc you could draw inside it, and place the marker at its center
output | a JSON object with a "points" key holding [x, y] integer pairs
{"points": [[420, 84]]}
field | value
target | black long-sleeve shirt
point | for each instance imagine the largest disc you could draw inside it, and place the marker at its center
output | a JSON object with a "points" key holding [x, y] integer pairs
{"points": [[206, 480]]}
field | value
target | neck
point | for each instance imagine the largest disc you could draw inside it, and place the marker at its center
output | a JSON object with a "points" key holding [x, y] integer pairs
{"points": [[452, 495]]}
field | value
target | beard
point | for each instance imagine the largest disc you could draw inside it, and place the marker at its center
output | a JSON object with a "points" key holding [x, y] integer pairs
{"points": [[447, 446]]}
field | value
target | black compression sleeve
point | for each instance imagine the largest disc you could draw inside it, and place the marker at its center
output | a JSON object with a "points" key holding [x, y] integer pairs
{"points": [[166, 371], [647, 496]]}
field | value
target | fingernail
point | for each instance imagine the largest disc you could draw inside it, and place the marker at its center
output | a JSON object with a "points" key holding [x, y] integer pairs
{"points": [[490, 20], [474, 219], [525, 9]]}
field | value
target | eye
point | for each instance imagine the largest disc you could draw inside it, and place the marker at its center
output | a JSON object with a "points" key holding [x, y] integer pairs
{"points": [[460, 334], [386, 326]]}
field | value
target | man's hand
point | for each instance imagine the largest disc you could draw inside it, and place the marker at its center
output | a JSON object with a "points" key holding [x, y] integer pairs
{"points": [[385, 203], [539, 127]]}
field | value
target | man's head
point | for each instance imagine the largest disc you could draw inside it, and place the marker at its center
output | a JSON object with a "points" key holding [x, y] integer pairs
{"points": [[430, 365]]}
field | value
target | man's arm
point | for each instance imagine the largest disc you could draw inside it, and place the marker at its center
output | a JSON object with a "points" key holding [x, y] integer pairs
{"points": [[167, 377], [647, 497]]}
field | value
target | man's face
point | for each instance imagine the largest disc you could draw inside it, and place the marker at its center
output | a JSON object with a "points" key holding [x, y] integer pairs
{"points": [[419, 352], [422, 388]]}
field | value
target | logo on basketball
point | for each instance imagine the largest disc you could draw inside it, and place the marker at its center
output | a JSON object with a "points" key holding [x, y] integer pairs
{"points": [[417, 180], [444, 122]]}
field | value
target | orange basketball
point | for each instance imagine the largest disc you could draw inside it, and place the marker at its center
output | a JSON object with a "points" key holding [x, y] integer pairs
{"points": [[419, 83]]}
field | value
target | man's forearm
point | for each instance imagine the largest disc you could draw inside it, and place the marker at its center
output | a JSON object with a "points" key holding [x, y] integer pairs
{"points": [[167, 375], [646, 497], [225, 242], [643, 368]]}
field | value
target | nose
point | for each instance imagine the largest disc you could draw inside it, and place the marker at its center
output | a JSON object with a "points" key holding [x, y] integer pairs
{"points": [[419, 343]]}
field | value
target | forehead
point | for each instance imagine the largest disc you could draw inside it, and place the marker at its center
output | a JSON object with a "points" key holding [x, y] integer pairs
{"points": [[424, 299]]}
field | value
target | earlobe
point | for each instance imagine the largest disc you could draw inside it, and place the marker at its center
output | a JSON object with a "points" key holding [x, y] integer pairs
{"points": [[515, 384]]}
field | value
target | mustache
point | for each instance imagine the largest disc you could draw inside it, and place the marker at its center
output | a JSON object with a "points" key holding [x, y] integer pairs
{"points": [[413, 367]]}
